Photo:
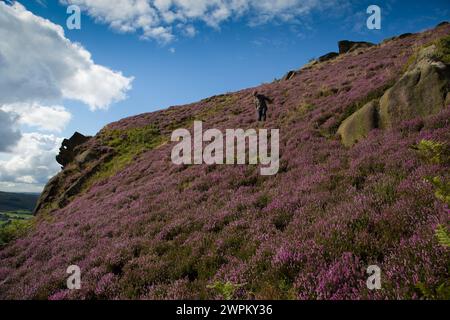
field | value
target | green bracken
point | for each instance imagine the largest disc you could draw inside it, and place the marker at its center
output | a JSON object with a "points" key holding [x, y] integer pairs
{"points": [[443, 49], [433, 152], [226, 289], [14, 230], [442, 189], [442, 292], [442, 235], [127, 145]]}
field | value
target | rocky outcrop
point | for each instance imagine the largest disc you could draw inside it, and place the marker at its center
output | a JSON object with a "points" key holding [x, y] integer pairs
{"points": [[79, 162], [359, 124], [289, 75], [93, 160], [328, 57], [421, 91], [346, 46], [67, 152], [73, 177], [50, 191]]}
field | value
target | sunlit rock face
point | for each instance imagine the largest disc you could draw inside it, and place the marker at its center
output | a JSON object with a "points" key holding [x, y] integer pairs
{"points": [[421, 91]]}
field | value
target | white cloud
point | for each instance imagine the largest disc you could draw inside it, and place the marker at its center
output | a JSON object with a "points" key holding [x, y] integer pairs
{"points": [[9, 134], [39, 68], [45, 118], [32, 161], [156, 18], [189, 31], [40, 65]]}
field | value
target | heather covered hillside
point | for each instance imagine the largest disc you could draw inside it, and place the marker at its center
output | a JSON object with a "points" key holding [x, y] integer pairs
{"points": [[349, 194]]}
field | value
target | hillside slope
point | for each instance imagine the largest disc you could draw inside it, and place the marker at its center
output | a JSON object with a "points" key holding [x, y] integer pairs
{"points": [[142, 227], [17, 201]]}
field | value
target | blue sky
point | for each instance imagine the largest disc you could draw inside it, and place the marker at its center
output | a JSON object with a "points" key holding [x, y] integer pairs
{"points": [[237, 49], [232, 58]]}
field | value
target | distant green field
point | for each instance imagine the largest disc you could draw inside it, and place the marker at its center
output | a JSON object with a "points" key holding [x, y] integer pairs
{"points": [[19, 214], [9, 217], [10, 202], [13, 224]]}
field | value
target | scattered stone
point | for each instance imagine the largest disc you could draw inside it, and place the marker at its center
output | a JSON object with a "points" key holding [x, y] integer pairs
{"points": [[346, 46], [328, 56], [310, 64], [289, 75], [444, 23], [404, 35]]}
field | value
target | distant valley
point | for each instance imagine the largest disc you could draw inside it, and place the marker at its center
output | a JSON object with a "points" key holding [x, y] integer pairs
{"points": [[18, 201]]}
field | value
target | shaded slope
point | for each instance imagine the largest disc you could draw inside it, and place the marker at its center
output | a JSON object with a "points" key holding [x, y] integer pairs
{"points": [[17, 201], [148, 229]]}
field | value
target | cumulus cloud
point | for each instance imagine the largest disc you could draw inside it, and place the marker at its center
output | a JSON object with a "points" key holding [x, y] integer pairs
{"points": [[39, 69], [156, 18], [40, 65], [8, 131], [45, 118], [33, 160]]}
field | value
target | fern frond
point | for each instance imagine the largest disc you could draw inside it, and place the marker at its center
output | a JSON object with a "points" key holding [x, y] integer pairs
{"points": [[443, 236]]}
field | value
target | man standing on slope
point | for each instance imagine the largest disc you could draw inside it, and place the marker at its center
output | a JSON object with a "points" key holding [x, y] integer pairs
{"points": [[261, 105]]}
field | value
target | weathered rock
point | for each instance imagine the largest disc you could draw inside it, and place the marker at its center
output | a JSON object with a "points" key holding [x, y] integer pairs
{"points": [[76, 186], [359, 124], [289, 75], [67, 151], [328, 56], [405, 35], [72, 179], [50, 192], [421, 91], [346, 46], [402, 36], [310, 64], [86, 157], [444, 23]]}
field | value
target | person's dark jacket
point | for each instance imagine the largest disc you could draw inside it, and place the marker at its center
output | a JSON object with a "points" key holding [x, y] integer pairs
{"points": [[261, 101]]}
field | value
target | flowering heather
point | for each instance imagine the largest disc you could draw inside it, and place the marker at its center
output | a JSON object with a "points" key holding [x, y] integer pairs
{"points": [[148, 229]]}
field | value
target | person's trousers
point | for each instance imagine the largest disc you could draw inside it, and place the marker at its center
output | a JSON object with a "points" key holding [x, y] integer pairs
{"points": [[262, 114]]}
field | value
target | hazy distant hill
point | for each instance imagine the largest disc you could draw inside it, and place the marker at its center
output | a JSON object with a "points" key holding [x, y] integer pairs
{"points": [[17, 201]]}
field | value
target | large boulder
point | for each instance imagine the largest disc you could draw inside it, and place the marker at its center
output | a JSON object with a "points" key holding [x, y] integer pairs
{"points": [[421, 91], [346, 46], [67, 152], [359, 124]]}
